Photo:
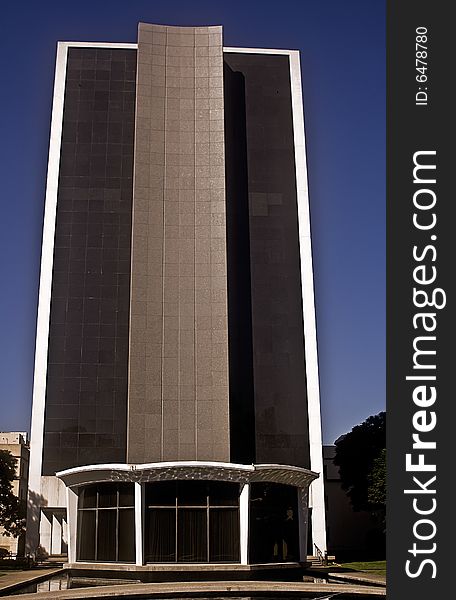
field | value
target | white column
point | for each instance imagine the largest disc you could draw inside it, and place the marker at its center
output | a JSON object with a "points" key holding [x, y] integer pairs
{"points": [[64, 535], [45, 533], [317, 502], [308, 305], [72, 519], [303, 512], [56, 536], [139, 524], [35, 499], [244, 505]]}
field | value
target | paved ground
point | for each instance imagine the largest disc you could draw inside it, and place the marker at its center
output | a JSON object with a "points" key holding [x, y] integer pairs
{"points": [[13, 578], [348, 575], [171, 590], [361, 576]]}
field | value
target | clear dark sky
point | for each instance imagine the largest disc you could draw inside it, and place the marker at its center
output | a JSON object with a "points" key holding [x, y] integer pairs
{"points": [[342, 47]]}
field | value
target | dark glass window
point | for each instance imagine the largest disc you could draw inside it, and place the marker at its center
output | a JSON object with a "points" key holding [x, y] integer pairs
{"points": [[126, 495], [223, 493], [192, 493], [88, 497], [224, 535], [192, 535], [107, 495], [126, 535], [192, 521], [106, 523], [264, 278], [162, 493], [89, 319], [160, 538], [106, 535], [86, 538]]}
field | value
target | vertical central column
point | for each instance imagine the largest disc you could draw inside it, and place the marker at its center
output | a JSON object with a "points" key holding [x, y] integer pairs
{"points": [[244, 518], [178, 378], [139, 522]]}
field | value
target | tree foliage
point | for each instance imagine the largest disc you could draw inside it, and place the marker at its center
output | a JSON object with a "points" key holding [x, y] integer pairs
{"points": [[361, 458], [12, 511], [376, 492]]}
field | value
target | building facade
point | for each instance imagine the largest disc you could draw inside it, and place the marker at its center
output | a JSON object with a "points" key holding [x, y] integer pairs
{"points": [[16, 443], [176, 413], [350, 534]]}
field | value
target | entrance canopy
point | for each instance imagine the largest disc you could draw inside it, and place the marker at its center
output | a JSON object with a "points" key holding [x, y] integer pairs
{"points": [[188, 470], [186, 511]]}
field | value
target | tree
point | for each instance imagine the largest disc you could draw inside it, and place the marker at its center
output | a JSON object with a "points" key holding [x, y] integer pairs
{"points": [[11, 509], [361, 457], [376, 492]]}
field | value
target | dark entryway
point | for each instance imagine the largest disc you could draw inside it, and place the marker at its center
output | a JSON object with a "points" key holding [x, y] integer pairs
{"points": [[274, 528]]}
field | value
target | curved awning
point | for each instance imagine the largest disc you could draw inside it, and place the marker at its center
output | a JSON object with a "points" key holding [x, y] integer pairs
{"points": [[188, 470]]}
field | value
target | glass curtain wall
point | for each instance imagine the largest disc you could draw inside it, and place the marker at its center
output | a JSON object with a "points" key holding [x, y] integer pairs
{"points": [[192, 521], [106, 523]]}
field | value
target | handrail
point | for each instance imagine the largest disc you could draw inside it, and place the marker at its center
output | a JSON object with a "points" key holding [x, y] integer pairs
{"points": [[319, 554]]}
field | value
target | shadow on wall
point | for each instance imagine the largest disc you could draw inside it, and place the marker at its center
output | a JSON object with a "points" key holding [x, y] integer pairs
{"points": [[35, 503]]}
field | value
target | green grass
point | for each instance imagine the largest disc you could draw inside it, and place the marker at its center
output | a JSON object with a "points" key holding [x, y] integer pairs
{"points": [[375, 567]]}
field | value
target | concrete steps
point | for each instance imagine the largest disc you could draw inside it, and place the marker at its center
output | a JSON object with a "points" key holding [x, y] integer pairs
{"points": [[315, 561]]}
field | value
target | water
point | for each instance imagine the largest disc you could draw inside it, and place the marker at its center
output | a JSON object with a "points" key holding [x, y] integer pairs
{"points": [[63, 582]]}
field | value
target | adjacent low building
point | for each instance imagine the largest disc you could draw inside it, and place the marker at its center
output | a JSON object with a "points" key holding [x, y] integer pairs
{"points": [[16, 443], [176, 411], [349, 532]]}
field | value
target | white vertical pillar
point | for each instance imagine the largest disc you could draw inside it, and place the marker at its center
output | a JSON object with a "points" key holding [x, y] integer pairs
{"points": [[35, 499], [244, 505], [45, 533], [56, 536], [64, 535], [72, 519], [303, 512], [308, 306], [139, 522], [317, 503]]}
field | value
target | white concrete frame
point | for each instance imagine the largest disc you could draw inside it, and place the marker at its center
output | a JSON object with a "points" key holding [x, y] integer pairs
{"points": [[317, 496], [45, 286]]}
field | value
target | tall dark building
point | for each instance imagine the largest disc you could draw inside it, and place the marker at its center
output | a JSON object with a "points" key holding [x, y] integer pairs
{"points": [[176, 413]]}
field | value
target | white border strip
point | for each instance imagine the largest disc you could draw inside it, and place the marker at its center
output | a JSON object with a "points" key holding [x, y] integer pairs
{"points": [[259, 50], [317, 500], [96, 45], [308, 306], [45, 286], [44, 296]]}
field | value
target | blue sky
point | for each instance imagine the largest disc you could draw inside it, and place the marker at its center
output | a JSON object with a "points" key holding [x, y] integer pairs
{"points": [[343, 65]]}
